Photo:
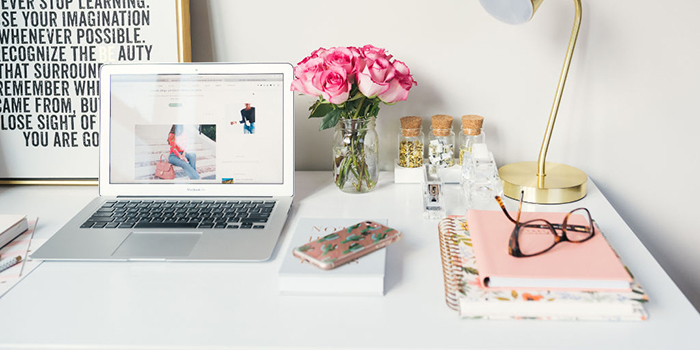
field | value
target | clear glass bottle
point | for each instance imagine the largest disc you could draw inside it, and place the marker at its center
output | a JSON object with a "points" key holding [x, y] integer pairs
{"points": [[480, 181], [411, 140], [471, 134], [441, 141], [355, 155]]}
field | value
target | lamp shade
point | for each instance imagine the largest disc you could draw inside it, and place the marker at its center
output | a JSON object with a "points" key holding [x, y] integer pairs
{"points": [[511, 11]]}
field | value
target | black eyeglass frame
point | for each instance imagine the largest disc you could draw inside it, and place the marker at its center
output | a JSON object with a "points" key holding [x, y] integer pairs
{"points": [[513, 242]]}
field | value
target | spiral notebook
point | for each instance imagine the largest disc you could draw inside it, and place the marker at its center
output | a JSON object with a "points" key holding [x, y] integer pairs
{"points": [[465, 294]]}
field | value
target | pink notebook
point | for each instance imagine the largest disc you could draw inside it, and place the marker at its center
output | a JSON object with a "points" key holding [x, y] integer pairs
{"points": [[591, 265]]}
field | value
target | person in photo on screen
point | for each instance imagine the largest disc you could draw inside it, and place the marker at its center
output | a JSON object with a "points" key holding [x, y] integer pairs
{"points": [[247, 119], [178, 152]]}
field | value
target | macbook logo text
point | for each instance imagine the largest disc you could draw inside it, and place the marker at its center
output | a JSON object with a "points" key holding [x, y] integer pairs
{"points": [[193, 189]]}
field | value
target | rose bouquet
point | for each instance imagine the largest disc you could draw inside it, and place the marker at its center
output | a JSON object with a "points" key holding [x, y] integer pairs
{"points": [[350, 83]]}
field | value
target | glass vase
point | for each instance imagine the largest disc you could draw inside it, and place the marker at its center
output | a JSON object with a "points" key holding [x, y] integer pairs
{"points": [[355, 155]]}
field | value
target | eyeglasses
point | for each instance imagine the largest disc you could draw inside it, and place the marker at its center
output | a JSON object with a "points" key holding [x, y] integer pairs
{"points": [[538, 236]]}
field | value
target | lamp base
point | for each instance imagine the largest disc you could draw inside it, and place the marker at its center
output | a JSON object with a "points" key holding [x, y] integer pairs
{"points": [[562, 184]]}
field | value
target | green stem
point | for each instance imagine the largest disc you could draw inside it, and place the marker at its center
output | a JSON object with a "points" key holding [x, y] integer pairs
{"points": [[359, 169], [368, 178], [359, 106], [354, 162]]}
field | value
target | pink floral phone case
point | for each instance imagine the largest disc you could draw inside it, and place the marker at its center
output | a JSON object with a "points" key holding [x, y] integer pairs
{"points": [[345, 245]]}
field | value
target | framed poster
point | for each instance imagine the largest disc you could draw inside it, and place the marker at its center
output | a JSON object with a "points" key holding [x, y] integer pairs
{"points": [[51, 52]]}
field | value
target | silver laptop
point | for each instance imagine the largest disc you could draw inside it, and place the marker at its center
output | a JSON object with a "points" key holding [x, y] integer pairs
{"points": [[196, 164]]}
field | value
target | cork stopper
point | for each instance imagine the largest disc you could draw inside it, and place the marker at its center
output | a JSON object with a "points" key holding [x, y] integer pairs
{"points": [[410, 126], [442, 125], [472, 124]]}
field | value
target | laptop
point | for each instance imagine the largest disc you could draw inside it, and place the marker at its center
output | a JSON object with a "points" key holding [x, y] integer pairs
{"points": [[196, 163]]}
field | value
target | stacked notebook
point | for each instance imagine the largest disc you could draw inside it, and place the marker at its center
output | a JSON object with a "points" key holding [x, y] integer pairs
{"points": [[583, 281], [11, 226], [361, 277]]}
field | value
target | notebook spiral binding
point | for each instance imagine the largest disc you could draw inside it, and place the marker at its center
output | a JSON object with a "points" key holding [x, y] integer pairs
{"points": [[451, 267]]}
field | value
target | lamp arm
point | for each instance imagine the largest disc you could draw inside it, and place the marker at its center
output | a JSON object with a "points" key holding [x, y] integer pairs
{"points": [[557, 98]]}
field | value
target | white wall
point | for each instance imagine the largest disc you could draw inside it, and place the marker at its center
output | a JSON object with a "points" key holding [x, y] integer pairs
{"points": [[628, 116]]}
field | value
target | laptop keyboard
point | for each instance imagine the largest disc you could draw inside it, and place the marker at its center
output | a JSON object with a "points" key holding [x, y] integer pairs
{"points": [[218, 214]]}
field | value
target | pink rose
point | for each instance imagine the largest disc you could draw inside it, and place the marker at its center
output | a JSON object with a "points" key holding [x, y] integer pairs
{"points": [[401, 68], [399, 86], [333, 73], [355, 52], [398, 89], [358, 58], [375, 77], [318, 53], [305, 72], [309, 65], [334, 84], [373, 53], [341, 57], [367, 54]]}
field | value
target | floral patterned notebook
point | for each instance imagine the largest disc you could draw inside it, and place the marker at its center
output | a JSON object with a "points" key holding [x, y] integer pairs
{"points": [[465, 294]]}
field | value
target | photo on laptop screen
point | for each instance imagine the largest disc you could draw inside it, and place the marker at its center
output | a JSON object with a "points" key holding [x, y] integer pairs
{"points": [[212, 128]]}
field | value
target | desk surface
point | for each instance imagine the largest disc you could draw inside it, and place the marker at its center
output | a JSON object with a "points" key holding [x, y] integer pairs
{"points": [[237, 305]]}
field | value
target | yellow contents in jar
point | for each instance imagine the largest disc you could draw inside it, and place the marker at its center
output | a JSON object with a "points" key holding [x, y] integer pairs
{"points": [[411, 154]]}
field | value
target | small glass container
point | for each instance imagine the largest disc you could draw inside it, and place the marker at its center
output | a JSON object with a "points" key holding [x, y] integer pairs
{"points": [[471, 134], [411, 140], [441, 141], [481, 182]]}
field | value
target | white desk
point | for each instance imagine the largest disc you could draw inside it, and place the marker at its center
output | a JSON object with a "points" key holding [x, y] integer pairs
{"points": [[234, 305]]}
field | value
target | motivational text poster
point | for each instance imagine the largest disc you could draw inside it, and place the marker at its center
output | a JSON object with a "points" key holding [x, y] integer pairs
{"points": [[50, 57]]}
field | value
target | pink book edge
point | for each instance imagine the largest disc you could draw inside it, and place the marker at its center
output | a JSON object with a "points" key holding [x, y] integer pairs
{"points": [[490, 231]]}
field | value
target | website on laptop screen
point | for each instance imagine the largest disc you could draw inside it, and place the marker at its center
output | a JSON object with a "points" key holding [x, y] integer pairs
{"points": [[212, 128]]}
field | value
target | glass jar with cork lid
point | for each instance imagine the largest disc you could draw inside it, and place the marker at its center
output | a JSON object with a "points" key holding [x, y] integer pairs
{"points": [[411, 142], [442, 140], [471, 134]]}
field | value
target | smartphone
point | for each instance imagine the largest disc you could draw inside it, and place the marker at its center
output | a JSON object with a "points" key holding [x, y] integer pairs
{"points": [[350, 243]]}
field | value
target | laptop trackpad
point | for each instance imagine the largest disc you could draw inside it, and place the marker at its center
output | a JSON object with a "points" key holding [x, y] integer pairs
{"points": [[157, 244]]}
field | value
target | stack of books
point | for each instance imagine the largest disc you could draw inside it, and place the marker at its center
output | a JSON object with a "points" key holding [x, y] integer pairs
{"points": [[11, 226], [362, 277], [573, 281]]}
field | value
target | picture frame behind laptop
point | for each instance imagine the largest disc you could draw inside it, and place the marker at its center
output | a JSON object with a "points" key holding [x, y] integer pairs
{"points": [[52, 136]]}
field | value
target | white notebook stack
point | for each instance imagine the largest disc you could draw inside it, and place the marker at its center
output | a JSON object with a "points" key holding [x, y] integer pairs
{"points": [[364, 276], [11, 226]]}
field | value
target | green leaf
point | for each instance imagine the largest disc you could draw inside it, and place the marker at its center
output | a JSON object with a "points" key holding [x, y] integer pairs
{"points": [[313, 106], [331, 119], [321, 110], [374, 110]]}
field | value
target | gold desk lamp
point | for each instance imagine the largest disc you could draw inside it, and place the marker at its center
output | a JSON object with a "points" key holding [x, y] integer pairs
{"points": [[560, 183]]}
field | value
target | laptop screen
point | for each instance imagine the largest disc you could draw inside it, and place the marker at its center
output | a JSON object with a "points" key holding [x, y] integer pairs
{"points": [[211, 128]]}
